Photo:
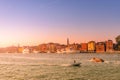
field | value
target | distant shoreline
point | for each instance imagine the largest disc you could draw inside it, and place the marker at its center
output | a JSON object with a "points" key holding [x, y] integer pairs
{"points": [[113, 52]]}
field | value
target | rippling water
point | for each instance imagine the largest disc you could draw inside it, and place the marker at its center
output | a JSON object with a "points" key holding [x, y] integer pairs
{"points": [[54, 67]]}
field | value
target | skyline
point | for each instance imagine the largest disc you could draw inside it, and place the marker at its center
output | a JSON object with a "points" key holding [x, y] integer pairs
{"points": [[31, 22]]}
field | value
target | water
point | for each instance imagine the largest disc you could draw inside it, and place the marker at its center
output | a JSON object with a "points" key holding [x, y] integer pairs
{"points": [[54, 67]]}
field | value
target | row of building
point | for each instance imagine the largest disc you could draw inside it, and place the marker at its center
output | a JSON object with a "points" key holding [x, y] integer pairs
{"points": [[91, 46]]}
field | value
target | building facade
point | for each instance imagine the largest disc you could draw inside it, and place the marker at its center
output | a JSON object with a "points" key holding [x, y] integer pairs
{"points": [[52, 48], [91, 46], [43, 48], [100, 47], [84, 47], [109, 46]]}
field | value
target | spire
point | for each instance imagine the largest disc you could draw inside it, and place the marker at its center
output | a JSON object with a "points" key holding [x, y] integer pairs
{"points": [[67, 41]]}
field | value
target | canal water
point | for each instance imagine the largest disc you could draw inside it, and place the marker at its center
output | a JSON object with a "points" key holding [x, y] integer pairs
{"points": [[44, 66]]}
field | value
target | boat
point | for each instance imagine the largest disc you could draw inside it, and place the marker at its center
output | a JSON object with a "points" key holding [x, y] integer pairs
{"points": [[25, 51], [75, 64]]}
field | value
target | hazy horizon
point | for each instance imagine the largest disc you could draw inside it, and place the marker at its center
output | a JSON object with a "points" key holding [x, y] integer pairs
{"points": [[31, 22]]}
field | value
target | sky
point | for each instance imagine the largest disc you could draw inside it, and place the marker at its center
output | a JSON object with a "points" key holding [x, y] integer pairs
{"points": [[32, 22]]}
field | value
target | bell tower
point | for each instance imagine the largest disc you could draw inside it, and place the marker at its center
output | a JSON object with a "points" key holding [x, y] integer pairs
{"points": [[67, 41]]}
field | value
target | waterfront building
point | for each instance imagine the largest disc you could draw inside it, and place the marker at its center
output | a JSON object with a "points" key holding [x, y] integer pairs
{"points": [[72, 48], [26, 50], [109, 46], [42, 48], [68, 50], [84, 47], [35, 49], [91, 46], [76, 46], [20, 49], [52, 48], [11, 49], [100, 47], [2, 50], [61, 49]]}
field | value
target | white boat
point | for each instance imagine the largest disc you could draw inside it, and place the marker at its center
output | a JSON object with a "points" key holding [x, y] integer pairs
{"points": [[26, 50], [35, 51]]}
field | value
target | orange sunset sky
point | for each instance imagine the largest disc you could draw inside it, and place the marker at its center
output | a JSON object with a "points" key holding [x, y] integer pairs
{"points": [[32, 22]]}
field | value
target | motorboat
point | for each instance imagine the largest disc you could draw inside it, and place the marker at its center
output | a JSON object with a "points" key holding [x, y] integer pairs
{"points": [[75, 64]]}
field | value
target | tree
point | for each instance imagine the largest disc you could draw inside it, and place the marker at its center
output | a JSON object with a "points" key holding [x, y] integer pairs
{"points": [[118, 39], [118, 42]]}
